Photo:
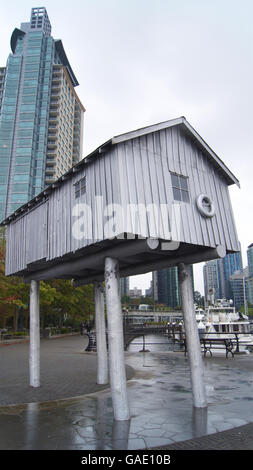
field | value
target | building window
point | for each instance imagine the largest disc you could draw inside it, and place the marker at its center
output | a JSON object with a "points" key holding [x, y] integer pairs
{"points": [[80, 187], [180, 187]]}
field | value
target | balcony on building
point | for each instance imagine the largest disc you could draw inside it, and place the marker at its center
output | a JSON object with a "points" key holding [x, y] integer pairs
{"points": [[55, 94], [49, 180], [54, 103], [50, 161], [55, 99], [56, 85], [53, 134], [53, 120], [49, 171], [76, 138], [53, 126], [51, 145], [52, 152], [54, 111]]}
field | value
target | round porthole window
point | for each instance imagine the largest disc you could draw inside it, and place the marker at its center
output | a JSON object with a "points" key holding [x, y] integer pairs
{"points": [[205, 205]]}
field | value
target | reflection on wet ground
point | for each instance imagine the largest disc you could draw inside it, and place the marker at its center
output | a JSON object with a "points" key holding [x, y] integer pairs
{"points": [[160, 403]]}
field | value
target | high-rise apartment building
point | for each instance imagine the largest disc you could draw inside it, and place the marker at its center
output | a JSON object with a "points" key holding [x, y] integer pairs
{"points": [[238, 288], [211, 281], [249, 280], [124, 286], [2, 80], [41, 116], [231, 263], [249, 289], [250, 259], [217, 274], [168, 287], [165, 287], [135, 293]]}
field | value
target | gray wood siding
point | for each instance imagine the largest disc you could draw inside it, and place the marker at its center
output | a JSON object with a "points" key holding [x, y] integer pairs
{"points": [[101, 180], [36, 233], [145, 164], [27, 239], [16, 246]]}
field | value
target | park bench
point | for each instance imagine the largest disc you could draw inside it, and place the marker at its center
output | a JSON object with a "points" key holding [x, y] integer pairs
{"points": [[217, 343], [7, 336], [92, 346], [207, 344]]}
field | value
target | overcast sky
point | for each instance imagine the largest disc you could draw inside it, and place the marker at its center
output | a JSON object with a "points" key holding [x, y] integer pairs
{"points": [[140, 62]]}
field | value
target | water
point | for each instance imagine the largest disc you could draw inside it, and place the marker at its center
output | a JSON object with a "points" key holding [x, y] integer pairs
{"points": [[154, 343]]}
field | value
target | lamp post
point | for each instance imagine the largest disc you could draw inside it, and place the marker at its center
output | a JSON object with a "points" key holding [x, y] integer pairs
{"points": [[245, 297]]}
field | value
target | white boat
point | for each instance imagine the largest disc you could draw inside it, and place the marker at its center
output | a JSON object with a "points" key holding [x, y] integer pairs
{"points": [[223, 321]]}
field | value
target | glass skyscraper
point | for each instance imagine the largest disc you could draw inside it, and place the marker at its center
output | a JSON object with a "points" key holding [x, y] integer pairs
{"points": [[250, 259], [212, 285], [217, 274], [41, 116], [124, 286], [249, 280], [168, 287]]}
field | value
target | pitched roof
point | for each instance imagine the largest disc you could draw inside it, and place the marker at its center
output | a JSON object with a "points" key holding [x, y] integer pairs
{"points": [[181, 121], [185, 125]]}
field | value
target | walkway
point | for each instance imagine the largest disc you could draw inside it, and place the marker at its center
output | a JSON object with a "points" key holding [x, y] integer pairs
{"points": [[66, 371], [80, 417]]}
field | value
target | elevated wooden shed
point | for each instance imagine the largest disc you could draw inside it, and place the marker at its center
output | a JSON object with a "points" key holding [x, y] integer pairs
{"points": [[160, 182], [145, 200]]}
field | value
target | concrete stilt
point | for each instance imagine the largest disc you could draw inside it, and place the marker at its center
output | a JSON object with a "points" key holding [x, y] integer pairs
{"points": [[34, 356], [102, 361], [192, 337], [116, 341]]}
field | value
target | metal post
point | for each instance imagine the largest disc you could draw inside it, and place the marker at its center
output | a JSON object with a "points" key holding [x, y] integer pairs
{"points": [[116, 341], [34, 356], [246, 311], [102, 362], [144, 345], [237, 343], [192, 337]]}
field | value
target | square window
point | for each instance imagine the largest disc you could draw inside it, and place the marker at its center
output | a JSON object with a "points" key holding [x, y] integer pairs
{"points": [[175, 180], [177, 194], [80, 187], [77, 191], [83, 186], [183, 183], [185, 196], [180, 187]]}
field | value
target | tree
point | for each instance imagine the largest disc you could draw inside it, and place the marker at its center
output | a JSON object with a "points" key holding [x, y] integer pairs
{"points": [[148, 300], [73, 303], [13, 292], [250, 310], [198, 299], [59, 300]]}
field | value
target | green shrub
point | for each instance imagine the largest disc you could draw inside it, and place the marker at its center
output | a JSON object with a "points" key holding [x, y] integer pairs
{"points": [[20, 333]]}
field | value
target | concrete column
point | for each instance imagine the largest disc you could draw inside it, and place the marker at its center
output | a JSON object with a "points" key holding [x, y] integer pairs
{"points": [[116, 341], [34, 358], [102, 362], [192, 337]]}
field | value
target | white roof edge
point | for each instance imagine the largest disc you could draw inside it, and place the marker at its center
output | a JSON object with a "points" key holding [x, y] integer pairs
{"points": [[211, 152], [147, 130], [174, 122]]}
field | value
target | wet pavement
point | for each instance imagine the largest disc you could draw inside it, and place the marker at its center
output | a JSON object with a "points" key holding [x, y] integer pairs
{"points": [[81, 417]]}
